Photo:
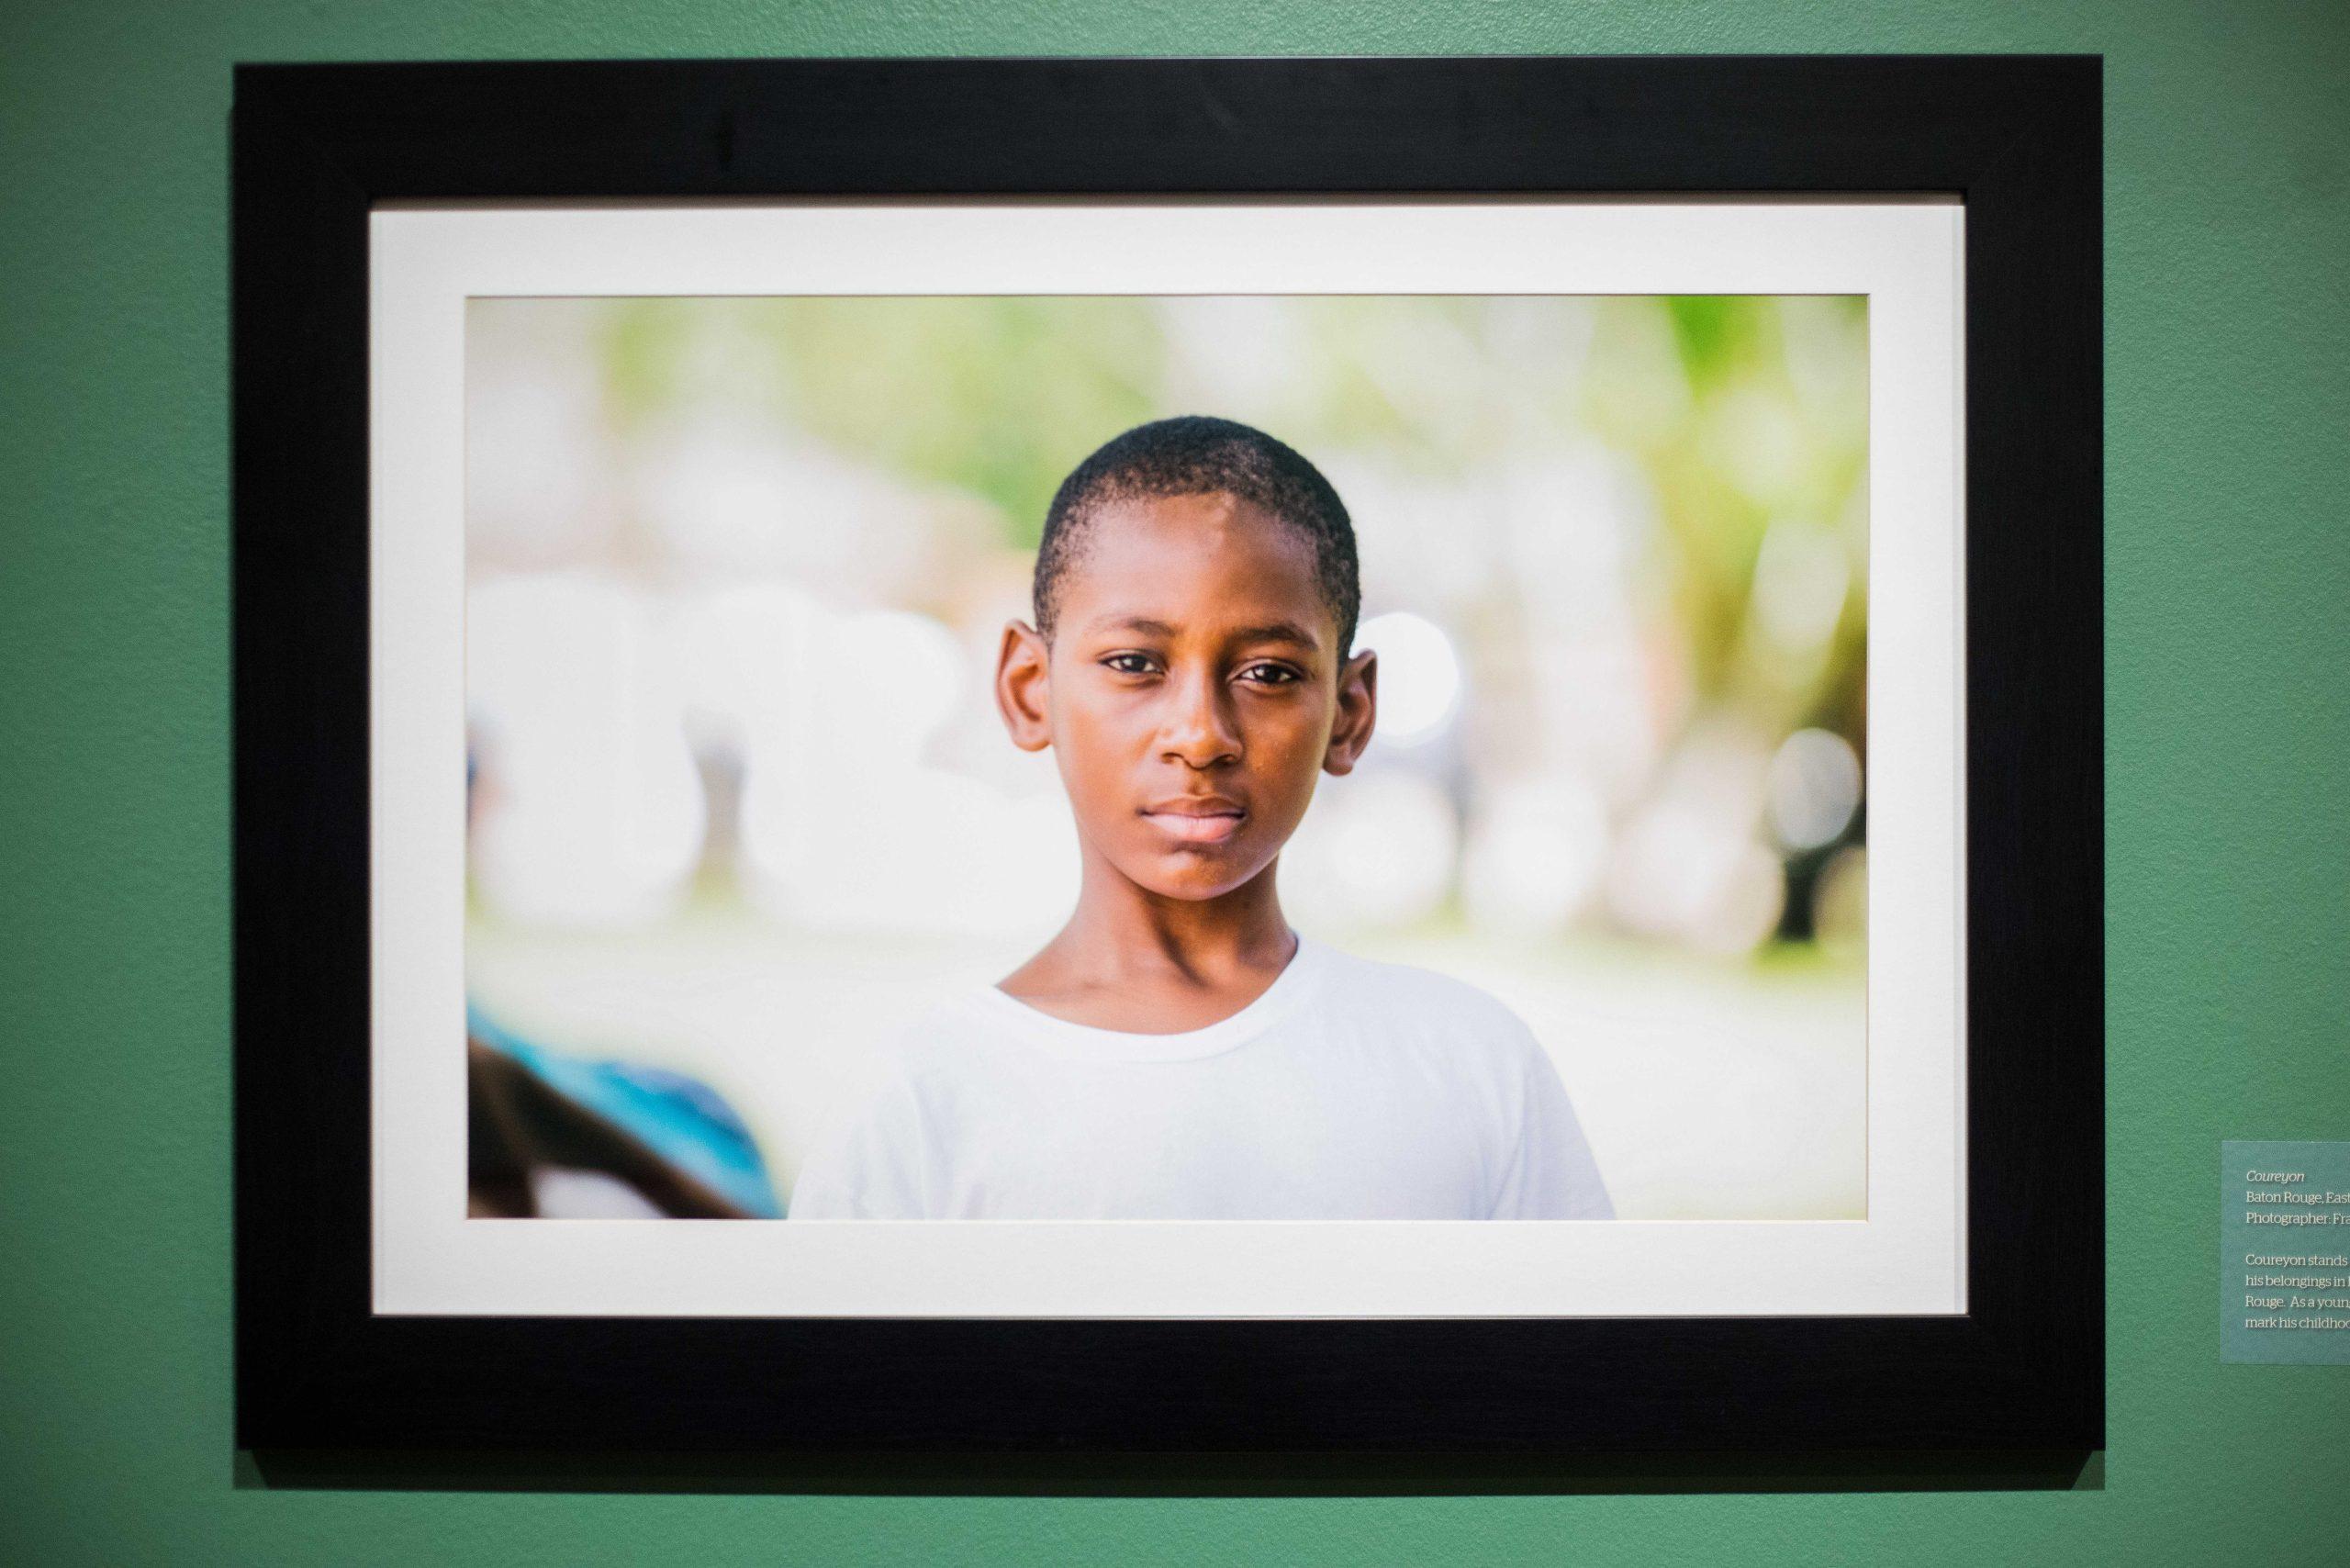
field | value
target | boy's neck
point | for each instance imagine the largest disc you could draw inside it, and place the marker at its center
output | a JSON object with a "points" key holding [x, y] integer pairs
{"points": [[1185, 963]]}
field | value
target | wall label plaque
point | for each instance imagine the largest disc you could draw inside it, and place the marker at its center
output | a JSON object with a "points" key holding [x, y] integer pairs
{"points": [[2284, 1251]]}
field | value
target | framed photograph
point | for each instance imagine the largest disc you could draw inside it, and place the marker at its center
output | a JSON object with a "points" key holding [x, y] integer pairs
{"points": [[1325, 753]]}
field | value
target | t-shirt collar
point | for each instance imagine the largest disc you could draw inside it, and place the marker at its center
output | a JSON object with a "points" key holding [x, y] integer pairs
{"points": [[1085, 1042]]}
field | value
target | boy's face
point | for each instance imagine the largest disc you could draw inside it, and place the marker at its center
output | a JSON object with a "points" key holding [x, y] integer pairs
{"points": [[1192, 693]]}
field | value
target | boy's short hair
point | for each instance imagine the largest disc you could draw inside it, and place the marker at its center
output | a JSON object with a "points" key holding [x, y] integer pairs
{"points": [[1194, 455]]}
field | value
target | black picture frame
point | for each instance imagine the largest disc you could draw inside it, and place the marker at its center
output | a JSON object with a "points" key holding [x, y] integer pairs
{"points": [[2016, 137]]}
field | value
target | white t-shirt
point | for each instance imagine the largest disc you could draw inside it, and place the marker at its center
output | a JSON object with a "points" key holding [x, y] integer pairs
{"points": [[1350, 1089]]}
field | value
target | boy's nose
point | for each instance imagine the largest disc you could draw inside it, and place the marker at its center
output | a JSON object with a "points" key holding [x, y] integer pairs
{"points": [[1199, 730]]}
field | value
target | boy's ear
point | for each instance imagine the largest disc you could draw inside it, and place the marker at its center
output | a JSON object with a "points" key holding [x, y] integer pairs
{"points": [[1022, 686], [1357, 711]]}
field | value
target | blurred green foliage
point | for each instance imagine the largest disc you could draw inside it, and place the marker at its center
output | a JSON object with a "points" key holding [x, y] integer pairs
{"points": [[1740, 412], [999, 398]]}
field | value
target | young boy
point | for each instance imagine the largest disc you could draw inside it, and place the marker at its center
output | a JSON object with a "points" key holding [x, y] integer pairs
{"points": [[1177, 1051]]}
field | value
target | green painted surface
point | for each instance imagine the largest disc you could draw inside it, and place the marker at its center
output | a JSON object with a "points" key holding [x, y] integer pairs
{"points": [[2228, 353]]}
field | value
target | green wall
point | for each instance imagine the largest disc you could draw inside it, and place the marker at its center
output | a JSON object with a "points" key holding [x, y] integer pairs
{"points": [[2228, 550]]}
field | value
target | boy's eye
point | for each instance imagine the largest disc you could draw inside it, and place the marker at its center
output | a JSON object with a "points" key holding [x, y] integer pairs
{"points": [[1270, 675], [1129, 663]]}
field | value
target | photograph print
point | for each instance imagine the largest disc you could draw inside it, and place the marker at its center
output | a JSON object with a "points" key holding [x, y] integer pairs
{"points": [[1167, 757]]}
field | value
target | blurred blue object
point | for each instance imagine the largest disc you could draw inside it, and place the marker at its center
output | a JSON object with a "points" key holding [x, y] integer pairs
{"points": [[681, 1119]]}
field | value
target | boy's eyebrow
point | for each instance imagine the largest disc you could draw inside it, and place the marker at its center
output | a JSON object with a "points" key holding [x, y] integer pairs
{"points": [[1278, 632], [1140, 624], [1271, 631]]}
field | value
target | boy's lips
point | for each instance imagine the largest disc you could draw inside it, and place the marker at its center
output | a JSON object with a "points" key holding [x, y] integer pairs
{"points": [[1209, 819]]}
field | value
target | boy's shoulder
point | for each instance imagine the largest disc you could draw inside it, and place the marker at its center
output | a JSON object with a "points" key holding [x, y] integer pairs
{"points": [[1422, 999], [944, 1026], [969, 1032], [1433, 1033]]}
